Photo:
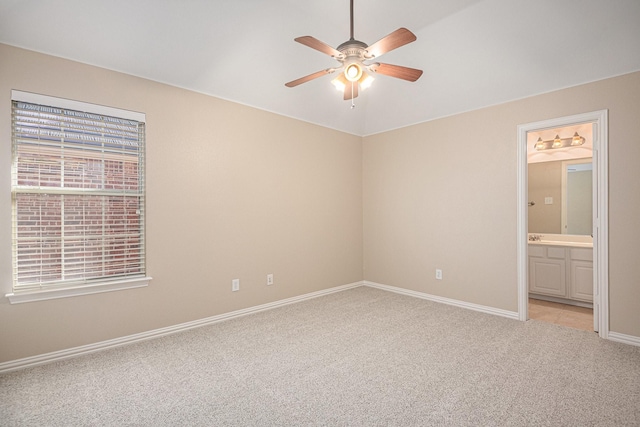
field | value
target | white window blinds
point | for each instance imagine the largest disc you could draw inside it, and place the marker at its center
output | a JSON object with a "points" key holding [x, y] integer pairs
{"points": [[77, 197]]}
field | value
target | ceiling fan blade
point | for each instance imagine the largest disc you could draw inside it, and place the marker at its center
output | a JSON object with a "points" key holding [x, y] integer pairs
{"points": [[305, 79], [404, 73], [350, 90], [316, 44], [398, 38]]}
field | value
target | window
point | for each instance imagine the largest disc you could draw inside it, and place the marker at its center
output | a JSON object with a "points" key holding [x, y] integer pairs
{"points": [[77, 198]]}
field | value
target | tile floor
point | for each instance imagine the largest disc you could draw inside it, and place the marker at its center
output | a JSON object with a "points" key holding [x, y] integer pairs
{"points": [[561, 314]]}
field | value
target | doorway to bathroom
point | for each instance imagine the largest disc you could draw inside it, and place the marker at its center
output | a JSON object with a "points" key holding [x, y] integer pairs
{"points": [[560, 221], [562, 247]]}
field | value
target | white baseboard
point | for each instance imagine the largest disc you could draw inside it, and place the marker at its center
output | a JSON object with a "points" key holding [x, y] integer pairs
{"points": [[613, 336], [443, 300], [623, 338], [42, 359]]}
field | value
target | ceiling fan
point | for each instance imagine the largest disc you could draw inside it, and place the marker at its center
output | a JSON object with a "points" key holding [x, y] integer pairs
{"points": [[354, 57]]}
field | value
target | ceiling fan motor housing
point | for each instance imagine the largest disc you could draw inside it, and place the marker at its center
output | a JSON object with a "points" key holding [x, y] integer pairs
{"points": [[353, 49]]}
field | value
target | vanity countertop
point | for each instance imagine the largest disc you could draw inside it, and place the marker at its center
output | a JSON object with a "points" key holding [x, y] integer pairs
{"points": [[565, 244], [566, 240]]}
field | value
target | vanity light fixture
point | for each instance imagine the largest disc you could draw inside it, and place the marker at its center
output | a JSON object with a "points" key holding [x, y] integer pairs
{"points": [[557, 142]]}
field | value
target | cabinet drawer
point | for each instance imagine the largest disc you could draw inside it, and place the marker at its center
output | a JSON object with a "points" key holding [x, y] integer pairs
{"points": [[537, 251], [553, 252], [581, 254]]}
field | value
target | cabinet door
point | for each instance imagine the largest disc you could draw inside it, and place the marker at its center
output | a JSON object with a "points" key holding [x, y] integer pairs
{"points": [[548, 276], [582, 280]]}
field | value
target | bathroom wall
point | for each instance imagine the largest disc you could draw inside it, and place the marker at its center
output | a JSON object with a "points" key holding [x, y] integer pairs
{"points": [[545, 180]]}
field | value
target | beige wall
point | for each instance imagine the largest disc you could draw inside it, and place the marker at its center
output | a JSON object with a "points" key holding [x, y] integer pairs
{"points": [[545, 180], [442, 194], [233, 192]]}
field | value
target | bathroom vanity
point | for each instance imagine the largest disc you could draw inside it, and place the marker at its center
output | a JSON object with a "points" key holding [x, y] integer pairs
{"points": [[561, 268]]}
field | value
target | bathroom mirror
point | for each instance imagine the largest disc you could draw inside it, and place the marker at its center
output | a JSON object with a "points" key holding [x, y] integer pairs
{"points": [[560, 197]]}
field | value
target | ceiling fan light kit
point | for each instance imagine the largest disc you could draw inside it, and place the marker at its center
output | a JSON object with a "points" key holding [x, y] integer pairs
{"points": [[354, 71]]}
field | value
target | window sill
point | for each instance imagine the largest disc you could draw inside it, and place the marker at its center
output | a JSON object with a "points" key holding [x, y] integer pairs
{"points": [[41, 295]]}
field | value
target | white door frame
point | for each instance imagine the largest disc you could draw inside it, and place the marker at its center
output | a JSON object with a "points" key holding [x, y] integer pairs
{"points": [[600, 121]]}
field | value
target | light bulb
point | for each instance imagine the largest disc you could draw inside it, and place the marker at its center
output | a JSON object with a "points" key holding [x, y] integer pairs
{"points": [[577, 139], [366, 82], [539, 144], [338, 84], [557, 142], [353, 72]]}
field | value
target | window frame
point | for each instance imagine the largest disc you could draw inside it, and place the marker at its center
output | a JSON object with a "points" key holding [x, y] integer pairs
{"points": [[82, 287]]}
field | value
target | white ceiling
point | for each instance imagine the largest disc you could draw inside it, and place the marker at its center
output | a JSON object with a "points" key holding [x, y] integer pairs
{"points": [[474, 53]]}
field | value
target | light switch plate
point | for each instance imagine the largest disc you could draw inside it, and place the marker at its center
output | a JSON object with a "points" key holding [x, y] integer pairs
{"points": [[548, 200]]}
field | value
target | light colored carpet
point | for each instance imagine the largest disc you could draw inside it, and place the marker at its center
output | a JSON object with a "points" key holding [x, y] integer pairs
{"points": [[362, 357]]}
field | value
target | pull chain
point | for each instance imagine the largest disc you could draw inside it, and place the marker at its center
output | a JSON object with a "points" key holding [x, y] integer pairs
{"points": [[353, 105]]}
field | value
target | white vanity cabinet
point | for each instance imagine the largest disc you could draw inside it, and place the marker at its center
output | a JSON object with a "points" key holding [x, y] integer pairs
{"points": [[581, 274], [548, 270], [561, 271]]}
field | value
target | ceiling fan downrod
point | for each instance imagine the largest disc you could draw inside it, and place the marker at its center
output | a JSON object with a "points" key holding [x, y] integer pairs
{"points": [[351, 36]]}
